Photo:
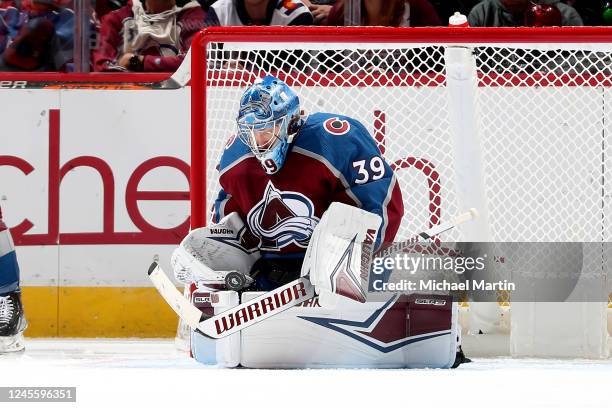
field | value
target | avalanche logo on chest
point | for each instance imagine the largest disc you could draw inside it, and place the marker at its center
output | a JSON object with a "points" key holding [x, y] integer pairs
{"points": [[282, 218]]}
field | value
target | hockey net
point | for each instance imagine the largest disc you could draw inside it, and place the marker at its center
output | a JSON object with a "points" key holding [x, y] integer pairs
{"points": [[538, 118]]}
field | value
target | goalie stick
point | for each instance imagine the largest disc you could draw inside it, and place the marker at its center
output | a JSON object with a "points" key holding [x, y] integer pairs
{"points": [[236, 318], [270, 303], [428, 234]]}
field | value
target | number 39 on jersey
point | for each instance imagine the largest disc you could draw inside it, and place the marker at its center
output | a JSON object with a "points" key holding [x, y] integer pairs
{"points": [[372, 169]]}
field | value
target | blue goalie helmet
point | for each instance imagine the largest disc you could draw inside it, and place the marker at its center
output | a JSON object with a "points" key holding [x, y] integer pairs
{"points": [[268, 119]]}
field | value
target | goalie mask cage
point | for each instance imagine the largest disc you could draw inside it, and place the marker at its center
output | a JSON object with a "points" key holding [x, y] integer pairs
{"points": [[514, 122]]}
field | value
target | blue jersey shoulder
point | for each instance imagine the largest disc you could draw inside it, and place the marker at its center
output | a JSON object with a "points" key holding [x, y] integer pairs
{"points": [[337, 138], [234, 150]]}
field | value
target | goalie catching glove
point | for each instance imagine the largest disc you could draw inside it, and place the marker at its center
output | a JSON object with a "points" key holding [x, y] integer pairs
{"points": [[216, 257], [339, 254]]}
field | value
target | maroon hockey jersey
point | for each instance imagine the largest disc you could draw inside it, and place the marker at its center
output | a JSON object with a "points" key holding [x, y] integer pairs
{"points": [[332, 158]]}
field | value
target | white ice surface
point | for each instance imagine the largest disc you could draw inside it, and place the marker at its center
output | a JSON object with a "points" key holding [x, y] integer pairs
{"points": [[152, 373]]}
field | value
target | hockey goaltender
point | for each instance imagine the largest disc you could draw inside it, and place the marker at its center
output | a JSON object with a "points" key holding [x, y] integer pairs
{"points": [[306, 196]]}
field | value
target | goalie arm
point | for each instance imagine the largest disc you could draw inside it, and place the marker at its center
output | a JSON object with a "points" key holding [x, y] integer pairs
{"points": [[383, 198], [370, 183], [224, 204]]}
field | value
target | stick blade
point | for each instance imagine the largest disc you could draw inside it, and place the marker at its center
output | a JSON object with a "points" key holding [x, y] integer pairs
{"points": [[175, 299], [258, 309], [152, 268]]}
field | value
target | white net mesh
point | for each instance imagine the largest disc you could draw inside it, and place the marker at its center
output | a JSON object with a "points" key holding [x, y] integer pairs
{"points": [[543, 115], [399, 110]]}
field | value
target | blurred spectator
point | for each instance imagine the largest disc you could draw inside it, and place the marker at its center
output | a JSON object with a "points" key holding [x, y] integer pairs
{"points": [[11, 21], [103, 7], [446, 8], [258, 12], [512, 13], [394, 13], [606, 16], [154, 36], [37, 38], [320, 9], [204, 3], [591, 11]]}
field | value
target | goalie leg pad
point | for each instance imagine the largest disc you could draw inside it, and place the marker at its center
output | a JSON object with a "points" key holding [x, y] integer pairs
{"points": [[223, 352], [413, 331]]}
